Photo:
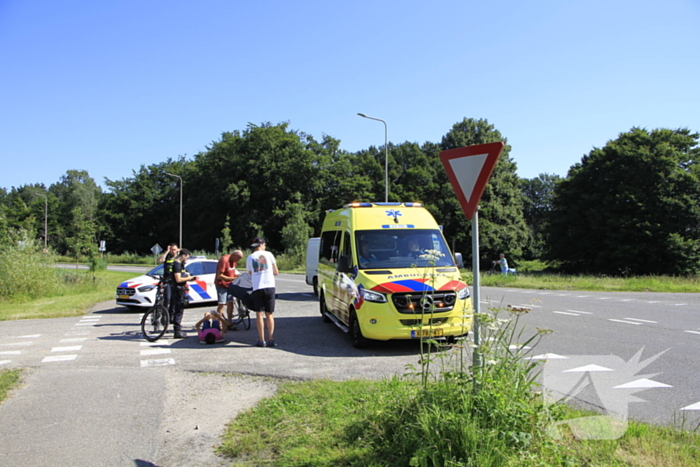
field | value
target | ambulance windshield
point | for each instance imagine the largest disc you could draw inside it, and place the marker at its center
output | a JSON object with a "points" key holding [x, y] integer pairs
{"points": [[401, 248]]}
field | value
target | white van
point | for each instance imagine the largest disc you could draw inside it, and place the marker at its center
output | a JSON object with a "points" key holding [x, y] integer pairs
{"points": [[312, 248]]}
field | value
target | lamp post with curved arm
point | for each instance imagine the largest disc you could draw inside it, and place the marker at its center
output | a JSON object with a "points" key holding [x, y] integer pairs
{"points": [[386, 155], [46, 219], [179, 178]]}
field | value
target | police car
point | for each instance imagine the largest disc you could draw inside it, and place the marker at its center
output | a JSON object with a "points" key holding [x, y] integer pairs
{"points": [[140, 292]]}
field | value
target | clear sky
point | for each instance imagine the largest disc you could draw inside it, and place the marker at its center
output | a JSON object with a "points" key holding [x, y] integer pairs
{"points": [[106, 86]]}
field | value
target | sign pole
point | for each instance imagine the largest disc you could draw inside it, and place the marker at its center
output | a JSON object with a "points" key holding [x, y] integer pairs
{"points": [[476, 281]]}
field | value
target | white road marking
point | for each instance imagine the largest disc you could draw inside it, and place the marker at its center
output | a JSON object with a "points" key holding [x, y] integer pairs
{"points": [[73, 339], [695, 406], [626, 322], [582, 296], [547, 356], [693, 332], [159, 342], [154, 352], [161, 362], [10, 352], [3, 362], [85, 324], [679, 304], [603, 298], [587, 368], [566, 313], [71, 348], [642, 383], [59, 358], [31, 336], [14, 344], [643, 320], [627, 299], [654, 301], [583, 312]]}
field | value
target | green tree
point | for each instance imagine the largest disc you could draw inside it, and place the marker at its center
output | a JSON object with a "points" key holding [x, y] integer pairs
{"points": [[77, 197], [631, 207], [537, 210], [296, 230]]}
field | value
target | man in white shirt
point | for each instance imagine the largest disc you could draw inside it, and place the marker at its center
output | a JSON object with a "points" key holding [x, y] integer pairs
{"points": [[262, 267]]}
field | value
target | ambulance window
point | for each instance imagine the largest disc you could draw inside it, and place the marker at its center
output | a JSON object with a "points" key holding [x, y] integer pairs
{"points": [[346, 246], [330, 246]]}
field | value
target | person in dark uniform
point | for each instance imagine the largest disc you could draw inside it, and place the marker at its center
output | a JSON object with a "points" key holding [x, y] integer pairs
{"points": [[180, 280], [167, 259]]}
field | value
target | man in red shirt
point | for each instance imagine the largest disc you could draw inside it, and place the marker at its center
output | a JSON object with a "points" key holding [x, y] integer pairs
{"points": [[225, 274]]}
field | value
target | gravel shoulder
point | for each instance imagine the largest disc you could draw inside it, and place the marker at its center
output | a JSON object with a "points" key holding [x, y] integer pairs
{"points": [[198, 408]]}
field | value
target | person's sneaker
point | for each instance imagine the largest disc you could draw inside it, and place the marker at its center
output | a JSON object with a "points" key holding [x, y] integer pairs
{"points": [[261, 344], [180, 335], [271, 343]]}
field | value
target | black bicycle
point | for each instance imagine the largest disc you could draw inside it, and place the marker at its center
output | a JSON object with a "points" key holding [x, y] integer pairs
{"points": [[241, 314], [155, 321]]}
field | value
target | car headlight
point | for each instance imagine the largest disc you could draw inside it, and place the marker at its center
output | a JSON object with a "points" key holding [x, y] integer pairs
{"points": [[371, 296], [146, 288], [463, 294]]}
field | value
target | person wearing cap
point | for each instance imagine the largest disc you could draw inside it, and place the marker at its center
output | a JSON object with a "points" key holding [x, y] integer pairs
{"points": [[262, 267]]}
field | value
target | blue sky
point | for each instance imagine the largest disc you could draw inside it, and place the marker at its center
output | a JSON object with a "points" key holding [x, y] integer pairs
{"points": [[106, 86]]}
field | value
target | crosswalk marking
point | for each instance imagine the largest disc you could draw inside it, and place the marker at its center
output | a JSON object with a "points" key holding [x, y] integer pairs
{"points": [[59, 358]]}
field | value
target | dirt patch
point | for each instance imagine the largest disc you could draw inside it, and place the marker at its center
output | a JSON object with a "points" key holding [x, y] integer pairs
{"points": [[198, 407]]}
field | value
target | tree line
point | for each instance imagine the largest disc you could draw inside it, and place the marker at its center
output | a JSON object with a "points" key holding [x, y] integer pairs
{"points": [[631, 207]]}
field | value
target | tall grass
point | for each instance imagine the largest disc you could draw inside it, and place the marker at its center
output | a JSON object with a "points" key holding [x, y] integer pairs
{"points": [[25, 270]]}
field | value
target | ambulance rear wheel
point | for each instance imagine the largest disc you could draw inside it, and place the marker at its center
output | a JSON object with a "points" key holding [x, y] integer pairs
{"points": [[358, 340], [322, 308]]}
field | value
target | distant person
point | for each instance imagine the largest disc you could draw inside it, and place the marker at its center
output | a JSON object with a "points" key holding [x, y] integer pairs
{"points": [[167, 259], [211, 328], [262, 267], [226, 273], [503, 263], [180, 280]]}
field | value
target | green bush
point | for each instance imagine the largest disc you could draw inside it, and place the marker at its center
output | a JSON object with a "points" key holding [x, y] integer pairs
{"points": [[25, 270]]}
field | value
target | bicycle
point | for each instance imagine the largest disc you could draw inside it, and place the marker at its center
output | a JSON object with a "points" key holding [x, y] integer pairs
{"points": [[155, 321], [241, 314]]}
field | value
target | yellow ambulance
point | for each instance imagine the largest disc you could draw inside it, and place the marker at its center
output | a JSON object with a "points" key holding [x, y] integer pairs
{"points": [[385, 272]]}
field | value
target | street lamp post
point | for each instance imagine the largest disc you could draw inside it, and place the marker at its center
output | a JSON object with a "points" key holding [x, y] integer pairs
{"points": [[179, 178], [386, 155], [46, 219]]}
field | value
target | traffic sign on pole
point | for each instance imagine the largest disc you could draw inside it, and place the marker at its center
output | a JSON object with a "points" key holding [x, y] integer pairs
{"points": [[469, 169]]}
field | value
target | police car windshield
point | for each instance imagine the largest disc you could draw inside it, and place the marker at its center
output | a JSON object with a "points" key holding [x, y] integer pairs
{"points": [[156, 271], [401, 248]]}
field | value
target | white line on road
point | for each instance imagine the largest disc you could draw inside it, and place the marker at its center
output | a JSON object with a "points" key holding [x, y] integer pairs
{"points": [[582, 312], [693, 332], [31, 336], [59, 358], [626, 322], [71, 348], [154, 352], [2, 362], [73, 339], [643, 320], [10, 352], [160, 362], [566, 313], [14, 344]]}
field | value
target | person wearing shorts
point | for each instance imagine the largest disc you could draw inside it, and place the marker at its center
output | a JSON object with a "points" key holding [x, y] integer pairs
{"points": [[226, 272], [262, 267]]}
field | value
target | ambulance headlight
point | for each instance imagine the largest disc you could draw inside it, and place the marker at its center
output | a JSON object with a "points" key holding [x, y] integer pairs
{"points": [[146, 288], [371, 296], [463, 294]]}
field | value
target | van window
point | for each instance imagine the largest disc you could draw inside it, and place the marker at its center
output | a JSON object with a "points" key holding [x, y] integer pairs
{"points": [[402, 248]]}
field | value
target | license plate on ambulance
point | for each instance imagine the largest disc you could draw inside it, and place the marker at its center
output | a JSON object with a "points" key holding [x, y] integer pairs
{"points": [[427, 333]]}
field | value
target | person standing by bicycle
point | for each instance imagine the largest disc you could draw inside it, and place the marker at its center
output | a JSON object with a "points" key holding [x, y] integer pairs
{"points": [[226, 272], [180, 280], [167, 259]]}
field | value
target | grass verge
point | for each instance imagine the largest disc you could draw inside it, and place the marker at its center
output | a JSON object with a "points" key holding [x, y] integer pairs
{"points": [[80, 291], [9, 379]]}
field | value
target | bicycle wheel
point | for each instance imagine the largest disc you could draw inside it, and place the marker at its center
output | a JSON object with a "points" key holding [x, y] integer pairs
{"points": [[154, 323], [241, 314]]}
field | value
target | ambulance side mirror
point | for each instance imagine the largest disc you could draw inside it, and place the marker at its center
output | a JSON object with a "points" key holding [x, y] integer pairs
{"points": [[343, 264]]}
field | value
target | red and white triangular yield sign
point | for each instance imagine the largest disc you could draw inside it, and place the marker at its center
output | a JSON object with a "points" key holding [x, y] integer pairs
{"points": [[469, 169]]}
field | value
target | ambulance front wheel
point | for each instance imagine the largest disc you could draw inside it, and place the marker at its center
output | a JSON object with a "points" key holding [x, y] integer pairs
{"points": [[358, 340], [322, 309]]}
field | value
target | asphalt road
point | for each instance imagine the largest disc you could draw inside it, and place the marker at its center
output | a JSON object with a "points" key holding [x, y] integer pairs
{"points": [[95, 390]]}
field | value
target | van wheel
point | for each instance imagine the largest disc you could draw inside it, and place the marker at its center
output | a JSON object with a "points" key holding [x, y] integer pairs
{"points": [[322, 308], [358, 340], [315, 284]]}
